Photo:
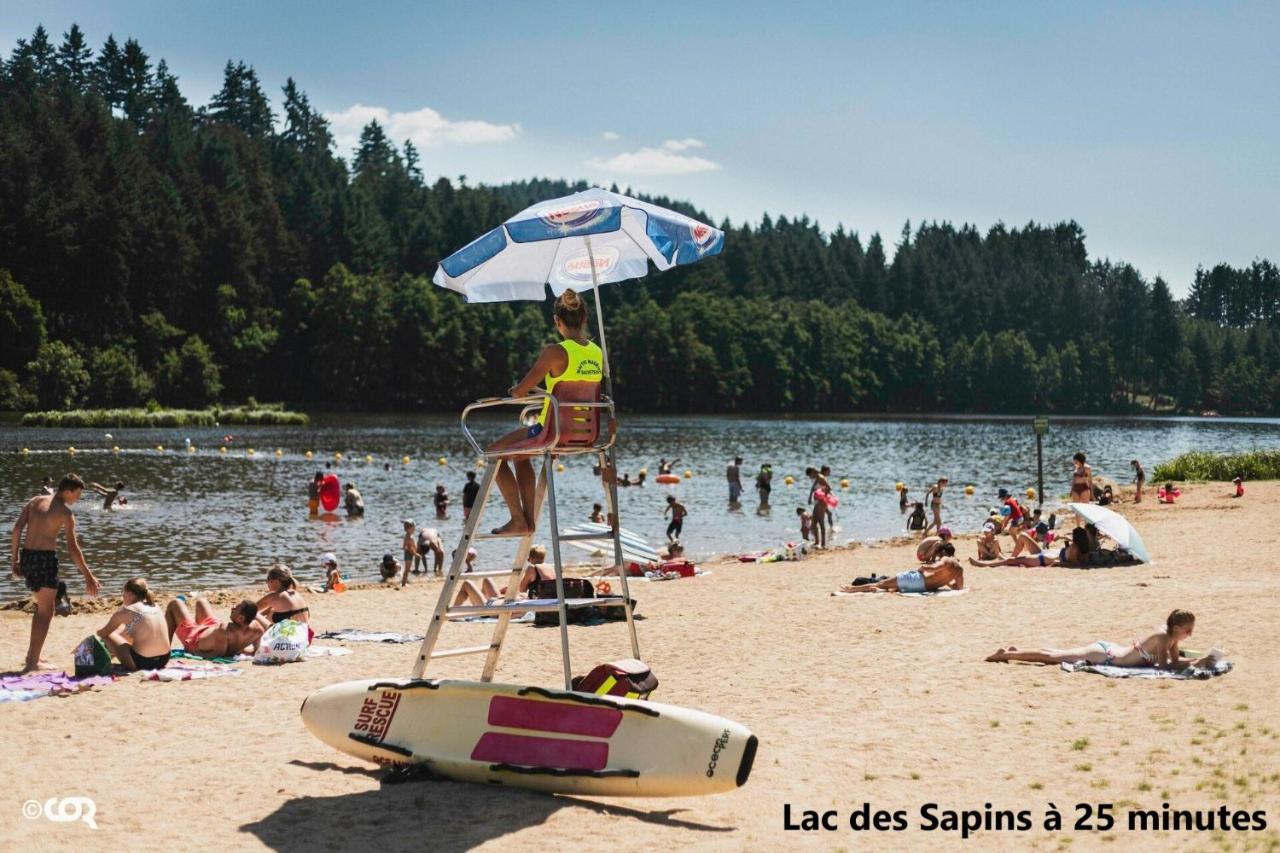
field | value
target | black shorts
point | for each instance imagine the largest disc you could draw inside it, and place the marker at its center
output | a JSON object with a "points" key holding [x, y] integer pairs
{"points": [[675, 528], [40, 568]]}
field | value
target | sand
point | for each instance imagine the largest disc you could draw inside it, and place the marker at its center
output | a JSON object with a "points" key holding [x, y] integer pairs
{"points": [[882, 700]]}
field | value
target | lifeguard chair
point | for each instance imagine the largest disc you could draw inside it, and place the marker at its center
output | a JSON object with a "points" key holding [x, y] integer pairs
{"points": [[580, 423]]}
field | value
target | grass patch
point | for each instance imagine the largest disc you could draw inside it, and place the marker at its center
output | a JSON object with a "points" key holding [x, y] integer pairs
{"points": [[1201, 465], [1144, 786], [1079, 744], [868, 777], [1035, 786], [915, 776], [261, 415], [995, 724], [1084, 768]]}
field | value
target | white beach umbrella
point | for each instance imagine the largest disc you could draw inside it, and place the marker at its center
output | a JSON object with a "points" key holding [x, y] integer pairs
{"points": [[1114, 525]]}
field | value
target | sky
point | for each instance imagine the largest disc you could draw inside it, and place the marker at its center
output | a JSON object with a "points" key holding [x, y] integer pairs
{"points": [[1156, 126]]}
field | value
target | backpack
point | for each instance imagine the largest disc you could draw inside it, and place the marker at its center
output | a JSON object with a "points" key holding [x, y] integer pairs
{"points": [[92, 657], [629, 678]]}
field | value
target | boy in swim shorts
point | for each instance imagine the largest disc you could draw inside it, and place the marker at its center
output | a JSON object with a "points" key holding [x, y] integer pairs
{"points": [[43, 518]]}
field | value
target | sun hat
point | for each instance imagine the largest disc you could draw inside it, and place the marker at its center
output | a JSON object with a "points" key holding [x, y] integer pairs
{"points": [[328, 557], [988, 528], [1002, 494]]}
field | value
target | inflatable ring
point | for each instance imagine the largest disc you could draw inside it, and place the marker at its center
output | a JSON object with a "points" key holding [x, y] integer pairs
{"points": [[603, 588]]}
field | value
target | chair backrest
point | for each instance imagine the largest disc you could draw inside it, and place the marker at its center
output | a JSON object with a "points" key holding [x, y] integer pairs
{"points": [[579, 425]]}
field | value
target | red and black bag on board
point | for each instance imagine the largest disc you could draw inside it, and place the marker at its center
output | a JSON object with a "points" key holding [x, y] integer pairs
{"points": [[628, 678]]}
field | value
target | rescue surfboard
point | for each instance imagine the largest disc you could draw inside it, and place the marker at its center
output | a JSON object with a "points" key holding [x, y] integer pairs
{"points": [[557, 741]]}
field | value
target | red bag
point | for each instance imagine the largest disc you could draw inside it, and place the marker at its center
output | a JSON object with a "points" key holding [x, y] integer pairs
{"points": [[683, 567], [628, 678]]}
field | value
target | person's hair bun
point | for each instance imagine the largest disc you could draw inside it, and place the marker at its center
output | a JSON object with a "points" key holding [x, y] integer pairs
{"points": [[571, 299]]}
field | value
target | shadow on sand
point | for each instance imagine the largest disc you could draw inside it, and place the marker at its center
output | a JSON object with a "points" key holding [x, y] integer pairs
{"points": [[427, 813]]}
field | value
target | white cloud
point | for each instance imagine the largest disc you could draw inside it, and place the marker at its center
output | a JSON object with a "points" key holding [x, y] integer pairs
{"points": [[610, 136], [683, 144], [425, 127], [664, 160]]}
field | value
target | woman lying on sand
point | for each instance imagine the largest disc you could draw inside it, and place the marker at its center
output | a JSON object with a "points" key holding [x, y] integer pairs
{"points": [[1076, 552], [486, 593], [945, 573], [1158, 650], [283, 601], [136, 633]]}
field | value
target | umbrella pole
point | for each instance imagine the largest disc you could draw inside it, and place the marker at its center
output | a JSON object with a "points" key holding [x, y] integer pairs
{"points": [[604, 349]]}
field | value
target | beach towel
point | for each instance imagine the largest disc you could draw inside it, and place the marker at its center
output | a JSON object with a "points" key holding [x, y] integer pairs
{"points": [[182, 671], [326, 652], [527, 616], [670, 576], [1218, 667], [180, 653], [937, 593], [359, 635], [23, 688]]}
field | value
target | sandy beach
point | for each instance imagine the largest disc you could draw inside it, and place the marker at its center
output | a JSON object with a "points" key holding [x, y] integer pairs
{"points": [[877, 699]]}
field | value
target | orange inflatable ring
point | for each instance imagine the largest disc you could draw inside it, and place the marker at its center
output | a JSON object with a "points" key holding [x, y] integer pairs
{"points": [[603, 588]]}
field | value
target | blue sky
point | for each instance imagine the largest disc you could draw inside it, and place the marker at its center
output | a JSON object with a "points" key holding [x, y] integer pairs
{"points": [[1156, 126]]}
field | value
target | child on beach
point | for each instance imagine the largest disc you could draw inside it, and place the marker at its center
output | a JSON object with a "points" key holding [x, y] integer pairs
{"points": [[441, 499], [42, 519], [806, 522], [1139, 480], [109, 495], [333, 579], [917, 520], [469, 492], [409, 546], [1158, 650], [354, 501], [597, 514], [313, 494], [902, 499], [1239, 481], [678, 512], [389, 568], [934, 499]]}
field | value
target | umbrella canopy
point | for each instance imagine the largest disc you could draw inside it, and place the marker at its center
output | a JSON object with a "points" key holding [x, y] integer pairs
{"points": [[1114, 525], [583, 240], [634, 547]]}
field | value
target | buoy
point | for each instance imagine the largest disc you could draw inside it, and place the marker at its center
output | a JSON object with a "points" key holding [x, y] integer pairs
{"points": [[1031, 494], [249, 452], [191, 448], [25, 451], [405, 460], [899, 486], [479, 463], [222, 449], [844, 484], [337, 457], [279, 452], [688, 475], [308, 454], [368, 457], [644, 471], [115, 449], [559, 467], [159, 448], [71, 450], [442, 461], [107, 436], [789, 480], [968, 490]]}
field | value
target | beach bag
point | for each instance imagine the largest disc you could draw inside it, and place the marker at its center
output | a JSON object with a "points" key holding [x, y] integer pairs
{"points": [[684, 568], [573, 588], [629, 678], [284, 642], [92, 657]]}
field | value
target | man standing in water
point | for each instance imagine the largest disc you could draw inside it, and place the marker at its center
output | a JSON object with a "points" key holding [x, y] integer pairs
{"points": [[733, 475], [43, 518]]}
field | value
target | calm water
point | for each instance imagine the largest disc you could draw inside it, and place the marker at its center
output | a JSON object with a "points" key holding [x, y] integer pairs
{"points": [[196, 520]]}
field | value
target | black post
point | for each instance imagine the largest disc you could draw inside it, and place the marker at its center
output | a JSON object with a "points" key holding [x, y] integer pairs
{"points": [[1039, 470]]}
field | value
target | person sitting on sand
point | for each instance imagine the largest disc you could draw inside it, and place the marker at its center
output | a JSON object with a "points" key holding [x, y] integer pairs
{"points": [[944, 573], [333, 579], [109, 495], [1030, 541], [1239, 484], [136, 634], [574, 359], [988, 544], [283, 601], [389, 568], [1158, 650], [1075, 552], [486, 593], [202, 634], [929, 547]]}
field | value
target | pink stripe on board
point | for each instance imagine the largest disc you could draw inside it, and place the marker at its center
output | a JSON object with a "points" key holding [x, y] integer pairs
{"points": [[559, 753], [553, 717]]}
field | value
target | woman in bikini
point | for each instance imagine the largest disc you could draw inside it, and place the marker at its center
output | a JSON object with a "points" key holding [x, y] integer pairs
{"points": [[821, 510], [1081, 480], [136, 634], [1158, 650], [574, 359], [988, 544], [283, 601]]}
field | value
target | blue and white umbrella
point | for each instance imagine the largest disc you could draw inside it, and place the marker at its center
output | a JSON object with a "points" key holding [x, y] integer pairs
{"points": [[580, 241]]}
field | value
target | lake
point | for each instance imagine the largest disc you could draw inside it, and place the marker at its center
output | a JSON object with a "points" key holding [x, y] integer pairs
{"points": [[206, 519]]}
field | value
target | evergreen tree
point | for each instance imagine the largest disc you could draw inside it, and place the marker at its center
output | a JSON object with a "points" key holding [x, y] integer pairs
{"points": [[75, 59]]}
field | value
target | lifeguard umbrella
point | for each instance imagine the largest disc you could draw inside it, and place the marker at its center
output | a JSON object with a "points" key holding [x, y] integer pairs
{"points": [[1114, 525], [580, 241]]}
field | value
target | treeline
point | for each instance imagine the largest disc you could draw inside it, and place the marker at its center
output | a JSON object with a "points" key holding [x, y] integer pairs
{"points": [[155, 250]]}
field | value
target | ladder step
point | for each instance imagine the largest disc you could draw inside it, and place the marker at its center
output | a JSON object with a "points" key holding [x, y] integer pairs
{"points": [[537, 605], [465, 650], [476, 537]]}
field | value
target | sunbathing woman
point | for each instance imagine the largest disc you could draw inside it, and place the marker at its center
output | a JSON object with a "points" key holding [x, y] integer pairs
{"points": [[136, 633], [1158, 650], [486, 593], [575, 359], [945, 573], [1076, 552], [283, 601]]}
